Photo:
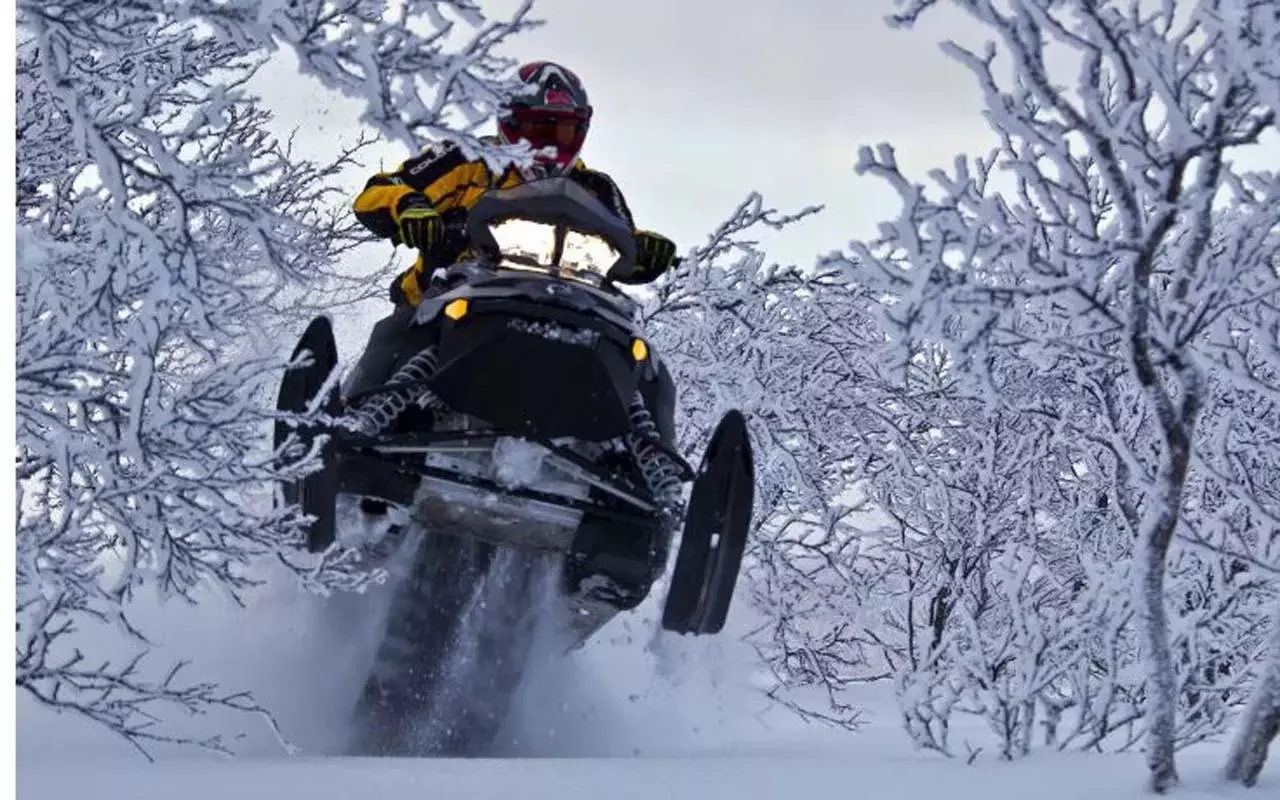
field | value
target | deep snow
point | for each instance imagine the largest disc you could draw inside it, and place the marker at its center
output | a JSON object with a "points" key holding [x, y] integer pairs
{"points": [[1083, 777], [633, 715]]}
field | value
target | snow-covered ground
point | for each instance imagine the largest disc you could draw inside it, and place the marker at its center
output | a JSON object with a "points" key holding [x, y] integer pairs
{"points": [[630, 716], [617, 779]]}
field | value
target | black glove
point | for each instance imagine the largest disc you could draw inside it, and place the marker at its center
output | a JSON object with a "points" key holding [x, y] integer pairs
{"points": [[655, 254], [418, 223]]}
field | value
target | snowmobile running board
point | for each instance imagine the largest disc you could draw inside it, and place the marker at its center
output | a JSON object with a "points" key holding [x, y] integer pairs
{"points": [[364, 470], [368, 455], [438, 441], [460, 493], [574, 467]]}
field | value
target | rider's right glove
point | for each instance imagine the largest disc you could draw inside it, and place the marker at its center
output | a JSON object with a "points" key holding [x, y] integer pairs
{"points": [[418, 223], [655, 254]]}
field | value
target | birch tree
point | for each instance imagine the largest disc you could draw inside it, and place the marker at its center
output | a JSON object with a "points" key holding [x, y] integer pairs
{"points": [[1109, 239], [1260, 723]]}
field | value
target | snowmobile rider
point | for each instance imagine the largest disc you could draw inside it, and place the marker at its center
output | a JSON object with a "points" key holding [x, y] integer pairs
{"points": [[416, 204]]}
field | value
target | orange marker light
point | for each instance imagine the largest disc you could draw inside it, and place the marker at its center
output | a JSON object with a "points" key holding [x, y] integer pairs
{"points": [[457, 309]]}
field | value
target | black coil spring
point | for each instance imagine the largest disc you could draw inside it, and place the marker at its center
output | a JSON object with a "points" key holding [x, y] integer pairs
{"points": [[660, 471], [377, 413]]}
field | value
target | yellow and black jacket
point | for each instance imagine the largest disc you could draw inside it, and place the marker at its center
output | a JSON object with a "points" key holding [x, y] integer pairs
{"points": [[452, 183]]}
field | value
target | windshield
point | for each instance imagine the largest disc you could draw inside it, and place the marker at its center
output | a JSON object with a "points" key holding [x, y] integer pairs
{"points": [[553, 226]]}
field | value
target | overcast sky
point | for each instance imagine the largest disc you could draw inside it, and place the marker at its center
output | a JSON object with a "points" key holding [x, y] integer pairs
{"points": [[699, 102]]}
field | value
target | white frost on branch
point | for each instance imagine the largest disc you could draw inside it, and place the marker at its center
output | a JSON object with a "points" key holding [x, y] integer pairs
{"points": [[163, 235]]}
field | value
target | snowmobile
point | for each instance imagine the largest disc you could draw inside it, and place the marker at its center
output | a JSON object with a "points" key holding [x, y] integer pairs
{"points": [[526, 418]]}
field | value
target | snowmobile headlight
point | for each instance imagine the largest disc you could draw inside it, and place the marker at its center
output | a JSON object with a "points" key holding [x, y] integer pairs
{"points": [[639, 350], [585, 253], [523, 244], [527, 245]]}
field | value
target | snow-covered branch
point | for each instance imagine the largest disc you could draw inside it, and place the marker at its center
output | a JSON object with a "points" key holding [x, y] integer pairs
{"points": [[164, 237]]}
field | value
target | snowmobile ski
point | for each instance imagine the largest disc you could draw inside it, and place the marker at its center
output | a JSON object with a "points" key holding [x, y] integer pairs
{"points": [[317, 493], [717, 524]]}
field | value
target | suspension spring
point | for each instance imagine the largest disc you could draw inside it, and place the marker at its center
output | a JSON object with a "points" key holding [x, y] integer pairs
{"points": [[377, 413], [660, 471]]}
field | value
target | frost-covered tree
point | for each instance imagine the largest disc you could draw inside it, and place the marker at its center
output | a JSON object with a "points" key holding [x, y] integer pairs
{"points": [[845, 600], [1109, 241], [772, 341], [978, 612], [841, 444], [1260, 724], [1018, 562], [161, 232]]}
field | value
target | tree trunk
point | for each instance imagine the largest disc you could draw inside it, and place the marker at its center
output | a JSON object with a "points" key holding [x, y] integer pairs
{"points": [[1158, 528], [1162, 691], [1260, 723]]}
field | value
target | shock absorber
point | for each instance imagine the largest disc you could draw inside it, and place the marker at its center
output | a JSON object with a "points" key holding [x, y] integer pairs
{"points": [[660, 471], [377, 413]]}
